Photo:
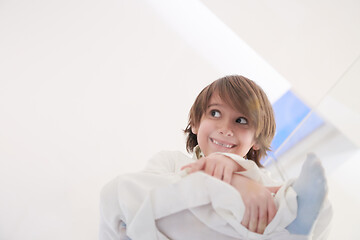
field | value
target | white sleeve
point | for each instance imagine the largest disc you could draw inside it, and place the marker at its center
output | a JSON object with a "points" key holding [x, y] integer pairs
{"points": [[111, 219], [252, 171], [122, 197]]}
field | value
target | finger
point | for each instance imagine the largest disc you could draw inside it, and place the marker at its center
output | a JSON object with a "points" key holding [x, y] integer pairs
{"points": [[273, 189], [197, 166], [209, 168], [218, 172], [187, 166], [246, 218], [227, 175], [263, 219], [271, 210], [254, 216]]}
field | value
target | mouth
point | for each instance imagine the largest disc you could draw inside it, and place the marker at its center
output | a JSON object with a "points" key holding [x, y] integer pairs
{"points": [[222, 144]]}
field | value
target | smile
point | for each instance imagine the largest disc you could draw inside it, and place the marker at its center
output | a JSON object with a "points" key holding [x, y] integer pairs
{"points": [[222, 144]]}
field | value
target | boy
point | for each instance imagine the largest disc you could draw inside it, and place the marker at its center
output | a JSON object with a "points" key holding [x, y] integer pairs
{"points": [[230, 119]]}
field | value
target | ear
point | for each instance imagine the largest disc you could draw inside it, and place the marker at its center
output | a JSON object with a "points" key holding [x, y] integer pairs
{"points": [[194, 130], [256, 146]]}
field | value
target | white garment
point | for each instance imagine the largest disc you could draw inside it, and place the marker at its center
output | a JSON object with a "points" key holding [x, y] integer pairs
{"points": [[163, 194]]}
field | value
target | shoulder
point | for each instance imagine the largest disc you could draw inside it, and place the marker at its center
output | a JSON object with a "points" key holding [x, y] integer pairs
{"points": [[168, 160], [171, 154]]}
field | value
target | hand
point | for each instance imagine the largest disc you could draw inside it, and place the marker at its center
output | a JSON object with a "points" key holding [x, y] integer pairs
{"points": [[216, 165], [260, 208]]}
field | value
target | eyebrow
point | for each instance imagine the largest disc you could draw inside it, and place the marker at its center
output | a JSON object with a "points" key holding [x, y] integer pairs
{"points": [[215, 104]]}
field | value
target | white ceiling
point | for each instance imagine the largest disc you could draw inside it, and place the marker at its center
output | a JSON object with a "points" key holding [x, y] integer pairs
{"points": [[313, 44]]}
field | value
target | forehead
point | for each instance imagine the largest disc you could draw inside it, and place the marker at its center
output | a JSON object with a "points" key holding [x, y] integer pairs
{"points": [[216, 100]]}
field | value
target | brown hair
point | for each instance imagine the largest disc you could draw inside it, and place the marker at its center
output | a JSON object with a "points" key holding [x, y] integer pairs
{"points": [[245, 96]]}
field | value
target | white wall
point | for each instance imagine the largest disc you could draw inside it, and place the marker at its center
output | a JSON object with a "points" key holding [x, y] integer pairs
{"points": [[90, 90]]}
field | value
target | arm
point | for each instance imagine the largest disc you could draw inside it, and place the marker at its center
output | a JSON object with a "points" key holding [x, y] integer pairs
{"points": [[216, 165], [260, 207], [121, 198], [259, 204]]}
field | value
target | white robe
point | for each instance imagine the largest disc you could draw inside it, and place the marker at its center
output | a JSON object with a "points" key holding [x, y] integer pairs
{"points": [[133, 204]]}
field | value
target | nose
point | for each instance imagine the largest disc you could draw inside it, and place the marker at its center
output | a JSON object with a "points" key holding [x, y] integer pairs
{"points": [[225, 129]]}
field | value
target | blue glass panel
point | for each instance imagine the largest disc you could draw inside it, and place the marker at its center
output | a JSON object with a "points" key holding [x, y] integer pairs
{"points": [[290, 111]]}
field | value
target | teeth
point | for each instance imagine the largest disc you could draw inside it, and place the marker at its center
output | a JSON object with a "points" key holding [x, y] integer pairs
{"points": [[221, 144]]}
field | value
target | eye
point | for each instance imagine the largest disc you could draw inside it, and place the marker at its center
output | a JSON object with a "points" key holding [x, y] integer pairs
{"points": [[242, 120], [215, 113]]}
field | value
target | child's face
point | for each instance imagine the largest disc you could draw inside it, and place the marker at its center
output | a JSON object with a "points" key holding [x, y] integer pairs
{"points": [[223, 129]]}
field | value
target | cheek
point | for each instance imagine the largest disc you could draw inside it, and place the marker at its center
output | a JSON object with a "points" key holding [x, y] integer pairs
{"points": [[204, 127], [248, 136]]}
